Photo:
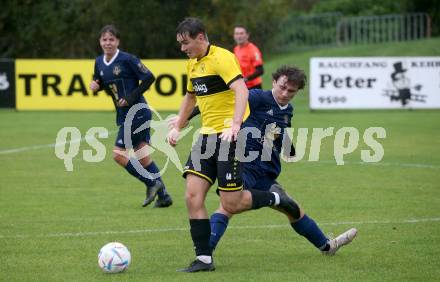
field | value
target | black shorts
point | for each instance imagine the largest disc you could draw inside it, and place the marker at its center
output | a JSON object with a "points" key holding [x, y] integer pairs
{"points": [[211, 159]]}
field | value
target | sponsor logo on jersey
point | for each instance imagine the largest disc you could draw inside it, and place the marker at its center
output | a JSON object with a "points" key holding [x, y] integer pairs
{"points": [[117, 70], [200, 88], [272, 131]]}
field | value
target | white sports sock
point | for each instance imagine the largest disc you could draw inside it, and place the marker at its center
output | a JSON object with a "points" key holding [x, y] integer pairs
{"points": [[277, 198], [205, 259]]}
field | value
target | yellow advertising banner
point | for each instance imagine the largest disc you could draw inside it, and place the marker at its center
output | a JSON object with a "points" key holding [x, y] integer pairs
{"points": [[64, 85]]}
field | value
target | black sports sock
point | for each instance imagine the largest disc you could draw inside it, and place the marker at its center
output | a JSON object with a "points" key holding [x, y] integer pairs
{"points": [[200, 234], [261, 198]]}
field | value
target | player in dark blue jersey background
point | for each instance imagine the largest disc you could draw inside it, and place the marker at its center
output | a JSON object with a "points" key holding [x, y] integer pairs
{"points": [[119, 73], [271, 114]]}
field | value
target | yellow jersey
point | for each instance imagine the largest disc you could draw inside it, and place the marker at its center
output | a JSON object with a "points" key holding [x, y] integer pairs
{"points": [[209, 79]]}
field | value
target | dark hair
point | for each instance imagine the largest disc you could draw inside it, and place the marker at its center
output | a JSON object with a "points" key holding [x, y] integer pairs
{"points": [[241, 26], [293, 74], [192, 26], [110, 29]]}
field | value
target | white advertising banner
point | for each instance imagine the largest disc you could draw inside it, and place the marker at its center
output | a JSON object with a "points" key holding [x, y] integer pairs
{"points": [[375, 83]]}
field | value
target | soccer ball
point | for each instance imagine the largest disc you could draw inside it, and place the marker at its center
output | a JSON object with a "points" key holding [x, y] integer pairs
{"points": [[114, 257]]}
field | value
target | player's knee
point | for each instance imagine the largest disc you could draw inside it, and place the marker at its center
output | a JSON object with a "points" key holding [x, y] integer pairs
{"points": [[296, 211], [145, 161], [193, 199], [233, 204], [142, 153], [299, 213], [118, 156], [190, 196]]}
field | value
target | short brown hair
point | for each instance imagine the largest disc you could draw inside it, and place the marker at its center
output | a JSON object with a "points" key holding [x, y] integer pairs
{"points": [[192, 26], [110, 29], [293, 74]]}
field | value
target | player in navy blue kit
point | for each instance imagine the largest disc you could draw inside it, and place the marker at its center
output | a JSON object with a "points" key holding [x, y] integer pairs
{"points": [[119, 73], [271, 113]]}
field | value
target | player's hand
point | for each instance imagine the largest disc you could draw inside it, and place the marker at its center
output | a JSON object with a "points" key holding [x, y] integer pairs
{"points": [[94, 85], [173, 136], [122, 103], [173, 122], [230, 134], [289, 159]]}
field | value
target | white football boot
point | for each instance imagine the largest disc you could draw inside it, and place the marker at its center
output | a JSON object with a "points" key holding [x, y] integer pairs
{"points": [[342, 240]]}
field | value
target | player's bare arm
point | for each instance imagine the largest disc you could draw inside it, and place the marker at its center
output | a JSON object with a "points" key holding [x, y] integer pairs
{"points": [[188, 103], [241, 98]]}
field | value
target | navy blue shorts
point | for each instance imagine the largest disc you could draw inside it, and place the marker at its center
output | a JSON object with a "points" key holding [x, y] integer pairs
{"points": [[255, 178], [138, 137]]}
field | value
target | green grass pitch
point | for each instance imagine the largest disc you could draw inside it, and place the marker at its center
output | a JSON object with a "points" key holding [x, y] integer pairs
{"points": [[53, 222]]}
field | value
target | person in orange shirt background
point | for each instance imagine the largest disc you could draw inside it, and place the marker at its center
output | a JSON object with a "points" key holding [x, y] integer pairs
{"points": [[249, 57]]}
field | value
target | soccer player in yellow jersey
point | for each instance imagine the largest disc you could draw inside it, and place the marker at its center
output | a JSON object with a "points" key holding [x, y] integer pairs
{"points": [[216, 84]]}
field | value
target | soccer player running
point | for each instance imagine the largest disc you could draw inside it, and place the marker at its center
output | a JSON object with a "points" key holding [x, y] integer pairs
{"points": [[270, 115], [215, 82], [119, 73], [249, 57]]}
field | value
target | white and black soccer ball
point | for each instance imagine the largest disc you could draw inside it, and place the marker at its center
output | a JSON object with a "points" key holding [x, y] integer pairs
{"points": [[114, 257]]}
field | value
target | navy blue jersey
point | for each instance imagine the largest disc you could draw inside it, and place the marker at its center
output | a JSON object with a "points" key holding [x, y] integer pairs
{"points": [[270, 119], [120, 77]]}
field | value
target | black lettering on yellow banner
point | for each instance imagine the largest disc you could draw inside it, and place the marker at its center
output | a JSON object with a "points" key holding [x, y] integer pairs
{"points": [[64, 85], [77, 85], [160, 81], [27, 82]]}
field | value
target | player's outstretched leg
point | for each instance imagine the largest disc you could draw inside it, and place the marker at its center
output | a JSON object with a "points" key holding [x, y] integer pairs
{"points": [[308, 228], [342, 240], [286, 203], [300, 222]]}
